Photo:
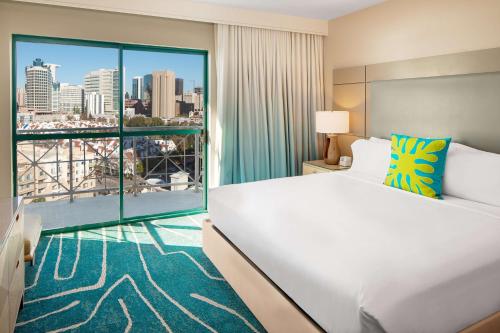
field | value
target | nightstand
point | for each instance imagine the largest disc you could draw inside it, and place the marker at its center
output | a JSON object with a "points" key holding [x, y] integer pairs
{"points": [[318, 166]]}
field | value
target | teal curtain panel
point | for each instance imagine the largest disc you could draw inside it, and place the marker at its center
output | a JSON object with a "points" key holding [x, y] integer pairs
{"points": [[270, 83]]}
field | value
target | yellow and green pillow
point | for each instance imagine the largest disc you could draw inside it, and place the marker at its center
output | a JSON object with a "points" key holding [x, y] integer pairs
{"points": [[417, 164]]}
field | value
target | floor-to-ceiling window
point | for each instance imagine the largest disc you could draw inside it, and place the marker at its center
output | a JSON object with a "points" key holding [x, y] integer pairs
{"points": [[108, 132]]}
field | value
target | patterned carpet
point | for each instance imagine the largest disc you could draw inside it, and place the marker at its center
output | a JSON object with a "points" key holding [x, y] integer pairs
{"points": [[146, 277]]}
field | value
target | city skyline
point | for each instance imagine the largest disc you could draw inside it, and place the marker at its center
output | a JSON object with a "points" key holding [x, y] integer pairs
{"points": [[76, 61]]}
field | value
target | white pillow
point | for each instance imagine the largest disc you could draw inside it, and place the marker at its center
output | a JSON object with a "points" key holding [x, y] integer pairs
{"points": [[472, 174], [379, 140], [371, 158]]}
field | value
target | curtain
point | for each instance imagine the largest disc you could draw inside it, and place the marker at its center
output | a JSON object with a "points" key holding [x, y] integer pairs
{"points": [[269, 86]]}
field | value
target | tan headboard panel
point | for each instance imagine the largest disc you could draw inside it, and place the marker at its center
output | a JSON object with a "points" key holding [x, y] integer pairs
{"points": [[349, 95], [455, 95], [465, 107]]}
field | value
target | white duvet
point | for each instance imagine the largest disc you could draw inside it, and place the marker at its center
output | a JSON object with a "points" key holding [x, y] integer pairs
{"points": [[351, 252]]}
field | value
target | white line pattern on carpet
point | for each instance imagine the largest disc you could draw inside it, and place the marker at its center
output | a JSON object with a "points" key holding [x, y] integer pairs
{"points": [[35, 282], [125, 312], [163, 253], [225, 308], [97, 285], [105, 295], [67, 307], [75, 263], [153, 282], [87, 322]]}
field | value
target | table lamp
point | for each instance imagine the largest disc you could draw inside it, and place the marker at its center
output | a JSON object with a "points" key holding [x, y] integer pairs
{"points": [[332, 123]]}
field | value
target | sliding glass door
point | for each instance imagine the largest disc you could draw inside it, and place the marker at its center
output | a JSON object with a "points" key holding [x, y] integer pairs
{"points": [[163, 128], [108, 132]]}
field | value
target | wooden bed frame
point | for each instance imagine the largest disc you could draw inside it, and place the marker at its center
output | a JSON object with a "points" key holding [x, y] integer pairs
{"points": [[270, 305]]}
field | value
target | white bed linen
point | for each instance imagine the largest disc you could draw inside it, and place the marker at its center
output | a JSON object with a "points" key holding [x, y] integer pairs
{"points": [[343, 247]]}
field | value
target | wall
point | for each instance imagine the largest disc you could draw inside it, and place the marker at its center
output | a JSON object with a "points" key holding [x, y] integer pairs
{"points": [[53, 21], [201, 12], [406, 29]]}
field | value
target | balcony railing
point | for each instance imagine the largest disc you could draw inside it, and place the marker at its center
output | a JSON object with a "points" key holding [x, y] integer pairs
{"points": [[67, 169]]}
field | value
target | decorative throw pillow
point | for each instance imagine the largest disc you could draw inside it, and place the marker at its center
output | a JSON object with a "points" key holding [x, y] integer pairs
{"points": [[417, 164]]}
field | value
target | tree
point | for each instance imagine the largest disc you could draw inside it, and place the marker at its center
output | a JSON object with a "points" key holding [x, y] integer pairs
{"points": [[137, 121], [141, 121], [155, 121], [139, 168]]}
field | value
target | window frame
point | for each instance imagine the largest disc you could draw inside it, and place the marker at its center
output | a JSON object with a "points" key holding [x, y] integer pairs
{"points": [[119, 132]]}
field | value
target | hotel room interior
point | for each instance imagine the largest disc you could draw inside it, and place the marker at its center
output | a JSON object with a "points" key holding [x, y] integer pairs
{"points": [[278, 166]]}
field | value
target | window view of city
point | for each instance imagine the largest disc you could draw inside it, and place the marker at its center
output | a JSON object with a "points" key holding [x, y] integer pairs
{"points": [[156, 96], [75, 90], [72, 94]]}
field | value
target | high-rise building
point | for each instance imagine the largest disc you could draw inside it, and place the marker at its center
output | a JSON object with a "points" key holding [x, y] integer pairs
{"points": [[71, 98], [137, 87], [53, 70], [21, 97], [116, 89], [104, 82], [94, 104], [56, 92], [163, 96], [183, 109], [38, 86], [196, 99], [179, 87], [55, 87], [147, 89]]}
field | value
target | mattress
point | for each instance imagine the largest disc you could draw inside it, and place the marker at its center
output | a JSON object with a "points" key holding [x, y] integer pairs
{"points": [[360, 256]]}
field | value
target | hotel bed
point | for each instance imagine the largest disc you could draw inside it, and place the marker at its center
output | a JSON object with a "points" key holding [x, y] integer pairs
{"points": [[358, 256]]}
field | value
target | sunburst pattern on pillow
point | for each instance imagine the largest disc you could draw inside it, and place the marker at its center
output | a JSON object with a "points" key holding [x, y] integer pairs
{"points": [[417, 164]]}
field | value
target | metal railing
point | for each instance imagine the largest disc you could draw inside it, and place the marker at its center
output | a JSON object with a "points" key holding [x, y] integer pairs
{"points": [[59, 169]]}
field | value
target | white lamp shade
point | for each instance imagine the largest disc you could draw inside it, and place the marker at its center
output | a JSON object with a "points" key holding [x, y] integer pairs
{"points": [[332, 121]]}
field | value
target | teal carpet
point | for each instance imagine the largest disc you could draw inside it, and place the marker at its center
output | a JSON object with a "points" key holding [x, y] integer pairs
{"points": [[146, 277]]}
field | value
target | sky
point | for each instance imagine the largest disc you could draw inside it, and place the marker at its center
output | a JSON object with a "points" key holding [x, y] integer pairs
{"points": [[76, 61]]}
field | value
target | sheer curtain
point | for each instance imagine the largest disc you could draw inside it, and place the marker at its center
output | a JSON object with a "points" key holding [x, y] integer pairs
{"points": [[269, 83]]}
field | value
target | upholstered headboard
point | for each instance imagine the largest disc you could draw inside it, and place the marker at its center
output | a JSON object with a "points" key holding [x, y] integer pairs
{"points": [[452, 95]]}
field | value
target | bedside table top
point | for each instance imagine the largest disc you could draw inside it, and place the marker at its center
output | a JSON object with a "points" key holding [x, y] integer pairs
{"points": [[322, 164]]}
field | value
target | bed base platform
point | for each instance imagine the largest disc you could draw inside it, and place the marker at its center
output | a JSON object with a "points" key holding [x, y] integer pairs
{"points": [[270, 305], [275, 311]]}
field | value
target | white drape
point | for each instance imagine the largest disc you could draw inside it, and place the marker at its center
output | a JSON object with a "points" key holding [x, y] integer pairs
{"points": [[269, 85]]}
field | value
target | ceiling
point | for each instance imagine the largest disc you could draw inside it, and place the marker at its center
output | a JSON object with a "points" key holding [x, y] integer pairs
{"points": [[317, 9]]}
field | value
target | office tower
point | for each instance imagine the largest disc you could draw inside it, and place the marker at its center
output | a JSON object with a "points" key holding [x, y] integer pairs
{"points": [[38, 87], [183, 109], [21, 97], [163, 96], [196, 99], [94, 104], [56, 91], [53, 69], [116, 89], [55, 87], [147, 89], [104, 82], [179, 87], [137, 87], [71, 98]]}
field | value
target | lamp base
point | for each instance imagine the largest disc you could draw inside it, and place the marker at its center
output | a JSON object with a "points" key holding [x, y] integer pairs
{"points": [[331, 153]]}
